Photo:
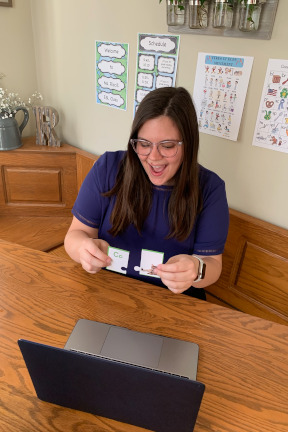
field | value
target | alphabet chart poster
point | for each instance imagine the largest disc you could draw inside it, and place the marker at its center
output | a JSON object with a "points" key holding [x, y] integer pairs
{"points": [[219, 95], [112, 74], [156, 67], [271, 129]]}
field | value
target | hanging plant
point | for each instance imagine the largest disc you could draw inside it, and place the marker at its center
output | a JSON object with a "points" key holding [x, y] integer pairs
{"points": [[198, 14], [250, 14], [175, 12], [180, 3]]}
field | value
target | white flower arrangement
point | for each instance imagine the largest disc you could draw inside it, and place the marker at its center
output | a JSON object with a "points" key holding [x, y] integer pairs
{"points": [[9, 101]]}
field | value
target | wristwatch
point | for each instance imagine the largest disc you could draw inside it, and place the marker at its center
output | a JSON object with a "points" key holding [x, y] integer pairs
{"points": [[201, 269]]}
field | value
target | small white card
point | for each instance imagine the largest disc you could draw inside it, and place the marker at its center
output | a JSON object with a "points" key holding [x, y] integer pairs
{"points": [[119, 258], [149, 259]]}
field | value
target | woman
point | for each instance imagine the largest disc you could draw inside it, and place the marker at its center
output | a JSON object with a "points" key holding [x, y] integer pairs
{"points": [[154, 197]]}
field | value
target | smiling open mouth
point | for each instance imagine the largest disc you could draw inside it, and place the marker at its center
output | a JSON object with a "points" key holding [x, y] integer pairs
{"points": [[157, 169]]}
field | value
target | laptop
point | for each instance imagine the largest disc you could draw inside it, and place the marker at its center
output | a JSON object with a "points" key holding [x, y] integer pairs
{"points": [[138, 378]]}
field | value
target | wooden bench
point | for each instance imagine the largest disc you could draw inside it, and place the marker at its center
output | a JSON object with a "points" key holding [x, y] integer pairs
{"points": [[254, 278]]}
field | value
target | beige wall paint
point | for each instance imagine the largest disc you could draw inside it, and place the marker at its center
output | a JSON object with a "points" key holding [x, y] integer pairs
{"points": [[64, 37], [17, 54]]}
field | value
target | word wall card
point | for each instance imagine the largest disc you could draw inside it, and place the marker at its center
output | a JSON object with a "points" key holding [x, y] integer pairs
{"points": [[111, 74], [156, 67]]}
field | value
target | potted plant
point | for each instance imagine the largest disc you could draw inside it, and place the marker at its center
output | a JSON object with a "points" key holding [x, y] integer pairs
{"points": [[223, 13], [198, 14], [250, 11], [175, 12], [10, 104]]}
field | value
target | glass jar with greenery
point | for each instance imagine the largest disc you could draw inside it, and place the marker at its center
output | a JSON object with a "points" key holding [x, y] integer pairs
{"points": [[175, 12], [250, 11], [198, 14], [223, 13]]}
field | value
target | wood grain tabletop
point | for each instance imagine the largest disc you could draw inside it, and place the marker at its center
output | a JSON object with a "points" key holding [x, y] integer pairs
{"points": [[242, 359]]}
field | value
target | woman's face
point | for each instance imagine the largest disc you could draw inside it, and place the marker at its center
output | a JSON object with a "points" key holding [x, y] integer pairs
{"points": [[159, 169]]}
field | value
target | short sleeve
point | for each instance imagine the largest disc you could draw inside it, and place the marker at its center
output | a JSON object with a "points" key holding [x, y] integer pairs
{"points": [[213, 222], [90, 204]]}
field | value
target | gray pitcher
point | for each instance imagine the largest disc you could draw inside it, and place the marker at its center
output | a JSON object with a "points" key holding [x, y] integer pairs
{"points": [[10, 132]]}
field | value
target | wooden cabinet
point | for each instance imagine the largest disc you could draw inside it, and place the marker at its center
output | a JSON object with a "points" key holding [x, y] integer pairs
{"points": [[38, 180]]}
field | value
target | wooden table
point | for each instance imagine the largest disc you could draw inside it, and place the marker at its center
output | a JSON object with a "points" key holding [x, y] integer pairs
{"points": [[243, 360]]}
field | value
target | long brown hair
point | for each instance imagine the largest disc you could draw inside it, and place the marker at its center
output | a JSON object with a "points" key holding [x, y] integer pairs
{"points": [[133, 189]]}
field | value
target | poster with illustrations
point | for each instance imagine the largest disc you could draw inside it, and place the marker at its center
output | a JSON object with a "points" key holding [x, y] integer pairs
{"points": [[156, 67], [112, 74], [219, 94], [271, 129]]}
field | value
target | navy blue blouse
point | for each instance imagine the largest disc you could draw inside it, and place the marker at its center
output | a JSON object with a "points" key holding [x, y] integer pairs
{"points": [[208, 236]]}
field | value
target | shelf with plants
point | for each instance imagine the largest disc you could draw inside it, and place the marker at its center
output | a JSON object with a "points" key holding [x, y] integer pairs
{"points": [[252, 19]]}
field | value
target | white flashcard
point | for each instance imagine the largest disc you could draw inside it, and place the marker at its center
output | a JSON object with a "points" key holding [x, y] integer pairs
{"points": [[149, 259], [119, 258]]}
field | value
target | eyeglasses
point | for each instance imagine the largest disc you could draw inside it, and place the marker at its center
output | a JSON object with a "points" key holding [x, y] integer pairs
{"points": [[167, 148]]}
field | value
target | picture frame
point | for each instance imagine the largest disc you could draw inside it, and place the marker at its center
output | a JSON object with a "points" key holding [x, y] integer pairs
{"points": [[7, 3]]}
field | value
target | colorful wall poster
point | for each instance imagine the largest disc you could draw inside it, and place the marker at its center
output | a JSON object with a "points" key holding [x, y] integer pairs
{"points": [[112, 74], [271, 130], [156, 67], [220, 90]]}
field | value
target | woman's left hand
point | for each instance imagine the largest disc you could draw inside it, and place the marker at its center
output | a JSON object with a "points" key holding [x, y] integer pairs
{"points": [[178, 273]]}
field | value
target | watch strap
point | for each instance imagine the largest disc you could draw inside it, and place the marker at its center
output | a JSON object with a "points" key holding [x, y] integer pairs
{"points": [[201, 269]]}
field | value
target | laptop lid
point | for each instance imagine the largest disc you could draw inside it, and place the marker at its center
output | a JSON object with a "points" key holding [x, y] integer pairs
{"points": [[141, 349], [131, 394]]}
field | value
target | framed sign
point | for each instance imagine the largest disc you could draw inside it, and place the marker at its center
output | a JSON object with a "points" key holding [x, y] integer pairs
{"points": [[6, 3]]}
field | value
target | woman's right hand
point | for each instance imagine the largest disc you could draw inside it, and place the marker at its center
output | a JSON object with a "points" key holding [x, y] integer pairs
{"points": [[93, 254], [83, 246]]}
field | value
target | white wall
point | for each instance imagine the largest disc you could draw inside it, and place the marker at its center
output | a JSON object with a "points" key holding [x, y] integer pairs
{"points": [[17, 54], [64, 36]]}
